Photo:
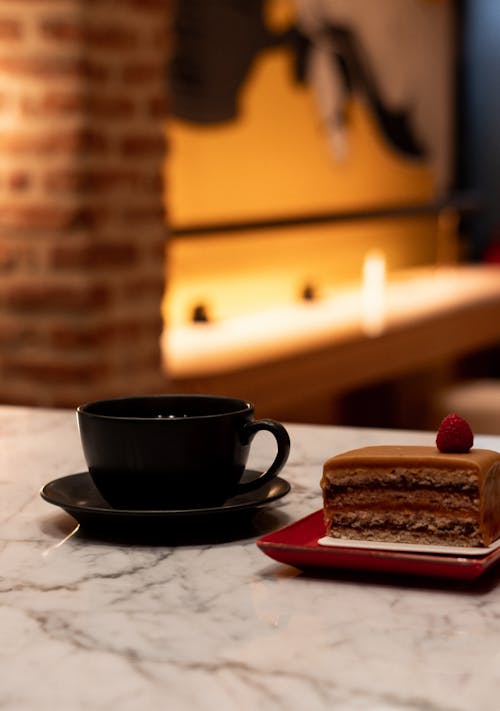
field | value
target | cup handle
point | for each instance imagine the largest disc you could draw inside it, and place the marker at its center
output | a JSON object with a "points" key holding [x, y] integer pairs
{"points": [[250, 429]]}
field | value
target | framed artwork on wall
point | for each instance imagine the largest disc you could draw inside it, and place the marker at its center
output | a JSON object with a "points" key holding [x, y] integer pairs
{"points": [[284, 109]]}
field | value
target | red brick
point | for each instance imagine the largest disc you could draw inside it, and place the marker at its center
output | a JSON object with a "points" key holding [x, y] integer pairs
{"points": [[111, 106], [57, 296], [158, 250], [9, 256], [98, 36], [144, 215], [53, 67], [71, 336], [15, 334], [16, 255], [74, 103], [54, 103], [150, 361], [50, 142], [19, 181], [43, 216], [161, 37], [49, 297], [159, 7], [142, 144], [95, 255], [144, 288], [50, 370], [143, 72], [86, 139], [158, 106], [61, 29], [89, 182], [10, 29], [48, 217]]}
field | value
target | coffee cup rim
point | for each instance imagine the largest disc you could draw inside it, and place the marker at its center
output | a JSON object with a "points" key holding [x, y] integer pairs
{"points": [[85, 408]]}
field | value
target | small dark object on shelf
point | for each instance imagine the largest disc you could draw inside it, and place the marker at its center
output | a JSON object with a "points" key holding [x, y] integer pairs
{"points": [[309, 293], [200, 314]]}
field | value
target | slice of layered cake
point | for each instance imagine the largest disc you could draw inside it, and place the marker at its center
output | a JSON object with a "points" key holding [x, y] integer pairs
{"points": [[412, 494]]}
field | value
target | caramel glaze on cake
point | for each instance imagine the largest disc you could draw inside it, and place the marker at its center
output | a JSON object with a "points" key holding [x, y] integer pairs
{"points": [[413, 495]]}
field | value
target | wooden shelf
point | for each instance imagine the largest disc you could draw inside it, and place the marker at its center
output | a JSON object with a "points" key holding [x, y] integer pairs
{"points": [[281, 386]]}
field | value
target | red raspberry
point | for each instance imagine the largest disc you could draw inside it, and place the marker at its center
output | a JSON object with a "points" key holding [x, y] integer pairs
{"points": [[454, 435]]}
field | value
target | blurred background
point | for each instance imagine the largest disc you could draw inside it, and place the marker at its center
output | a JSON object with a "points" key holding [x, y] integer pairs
{"points": [[289, 201]]}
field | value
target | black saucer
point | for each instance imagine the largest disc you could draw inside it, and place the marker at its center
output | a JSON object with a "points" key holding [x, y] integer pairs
{"points": [[78, 496]]}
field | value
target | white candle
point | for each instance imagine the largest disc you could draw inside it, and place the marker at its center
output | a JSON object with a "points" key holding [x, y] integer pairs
{"points": [[373, 293]]}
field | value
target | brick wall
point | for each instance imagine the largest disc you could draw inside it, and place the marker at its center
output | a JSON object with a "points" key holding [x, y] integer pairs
{"points": [[82, 225]]}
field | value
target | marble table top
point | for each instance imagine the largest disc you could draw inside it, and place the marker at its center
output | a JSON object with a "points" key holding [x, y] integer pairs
{"points": [[89, 622]]}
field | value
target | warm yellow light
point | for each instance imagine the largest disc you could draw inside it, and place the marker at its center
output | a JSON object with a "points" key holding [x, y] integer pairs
{"points": [[236, 274], [251, 338], [373, 293]]}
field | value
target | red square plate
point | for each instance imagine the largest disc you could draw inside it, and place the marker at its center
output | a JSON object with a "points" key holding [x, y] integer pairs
{"points": [[297, 545]]}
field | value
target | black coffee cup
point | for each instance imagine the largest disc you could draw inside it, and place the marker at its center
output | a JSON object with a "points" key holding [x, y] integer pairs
{"points": [[173, 451]]}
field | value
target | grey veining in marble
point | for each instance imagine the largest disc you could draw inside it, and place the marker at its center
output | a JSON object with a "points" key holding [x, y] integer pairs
{"points": [[95, 624]]}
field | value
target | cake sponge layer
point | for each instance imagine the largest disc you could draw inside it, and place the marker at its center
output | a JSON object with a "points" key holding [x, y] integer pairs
{"points": [[413, 494]]}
